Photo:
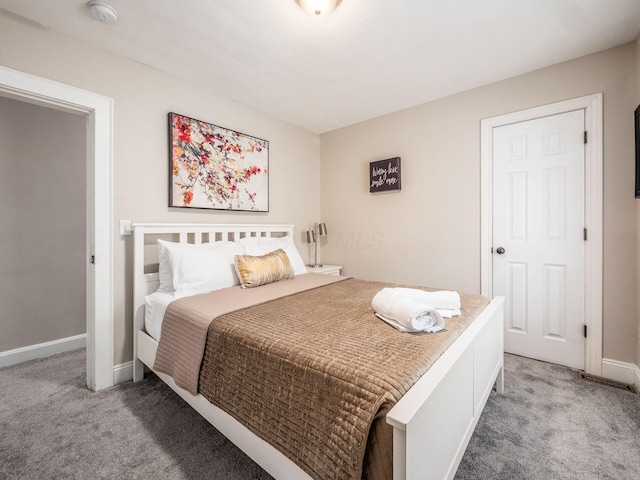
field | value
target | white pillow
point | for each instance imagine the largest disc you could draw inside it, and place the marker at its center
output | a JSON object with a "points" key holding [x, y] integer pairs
{"points": [[258, 246], [203, 270], [164, 266]]}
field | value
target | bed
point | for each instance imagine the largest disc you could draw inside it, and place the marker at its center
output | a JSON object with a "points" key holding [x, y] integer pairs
{"points": [[439, 411]]}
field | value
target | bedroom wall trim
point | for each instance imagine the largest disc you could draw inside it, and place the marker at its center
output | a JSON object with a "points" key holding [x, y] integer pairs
{"points": [[637, 377], [123, 372], [593, 107], [41, 350], [619, 371], [98, 111]]}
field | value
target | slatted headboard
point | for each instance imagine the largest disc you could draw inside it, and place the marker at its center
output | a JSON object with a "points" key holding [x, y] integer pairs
{"points": [[145, 250]]}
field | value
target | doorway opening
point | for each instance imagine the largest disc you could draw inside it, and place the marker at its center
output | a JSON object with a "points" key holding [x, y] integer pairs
{"points": [[43, 192], [98, 112]]}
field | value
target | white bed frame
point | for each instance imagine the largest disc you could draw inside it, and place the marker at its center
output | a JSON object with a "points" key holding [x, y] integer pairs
{"points": [[432, 423]]}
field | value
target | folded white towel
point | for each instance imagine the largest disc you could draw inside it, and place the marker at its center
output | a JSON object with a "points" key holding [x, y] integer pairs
{"points": [[440, 300], [405, 314]]}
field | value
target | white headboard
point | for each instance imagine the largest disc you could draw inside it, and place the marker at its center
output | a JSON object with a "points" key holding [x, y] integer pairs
{"points": [[145, 256]]}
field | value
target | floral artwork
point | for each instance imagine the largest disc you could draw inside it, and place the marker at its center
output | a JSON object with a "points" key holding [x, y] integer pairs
{"points": [[213, 167]]}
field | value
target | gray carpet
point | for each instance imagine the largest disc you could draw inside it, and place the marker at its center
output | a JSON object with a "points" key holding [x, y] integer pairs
{"points": [[52, 427], [549, 425]]}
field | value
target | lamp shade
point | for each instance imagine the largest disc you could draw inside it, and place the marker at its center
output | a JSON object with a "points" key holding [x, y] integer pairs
{"points": [[310, 236], [322, 229]]}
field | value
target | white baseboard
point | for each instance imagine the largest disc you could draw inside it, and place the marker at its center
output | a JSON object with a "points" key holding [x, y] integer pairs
{"points": [[122, 373], [620, 371], [41, 350], [637, 377]]}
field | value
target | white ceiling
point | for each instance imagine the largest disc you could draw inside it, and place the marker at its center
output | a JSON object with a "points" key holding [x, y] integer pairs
{"points": [[366, 59]]}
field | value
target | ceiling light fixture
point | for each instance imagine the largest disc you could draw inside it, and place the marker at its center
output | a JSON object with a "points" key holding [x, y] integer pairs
{"points": [[103, 12], [318, 8]]}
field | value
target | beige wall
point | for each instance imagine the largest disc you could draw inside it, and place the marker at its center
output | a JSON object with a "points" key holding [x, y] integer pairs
{"points": [[429, 233], [142, 98], [42, 224]]}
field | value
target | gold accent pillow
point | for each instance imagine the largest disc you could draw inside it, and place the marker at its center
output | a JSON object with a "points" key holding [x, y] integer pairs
{"points": [[255, 271]]}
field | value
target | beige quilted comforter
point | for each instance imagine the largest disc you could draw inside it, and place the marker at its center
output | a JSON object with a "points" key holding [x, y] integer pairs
{"points": [[315, 372]]}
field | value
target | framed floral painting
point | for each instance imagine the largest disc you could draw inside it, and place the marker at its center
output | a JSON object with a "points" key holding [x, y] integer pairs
{"points": [[217, 168]]}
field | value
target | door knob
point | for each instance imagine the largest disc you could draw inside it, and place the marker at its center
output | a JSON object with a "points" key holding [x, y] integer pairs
{"points": [[499, 250]]}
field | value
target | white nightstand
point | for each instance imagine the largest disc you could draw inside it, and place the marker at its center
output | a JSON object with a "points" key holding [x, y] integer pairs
{"points": [[326, 269]]}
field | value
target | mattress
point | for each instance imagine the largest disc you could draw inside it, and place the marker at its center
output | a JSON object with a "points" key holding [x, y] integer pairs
{"points": [[155, 306]]}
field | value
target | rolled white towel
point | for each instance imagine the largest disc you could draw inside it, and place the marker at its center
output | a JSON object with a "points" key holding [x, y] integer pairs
{"points": [[449, 313], [405, 314], [440, 299], [428, 323]]}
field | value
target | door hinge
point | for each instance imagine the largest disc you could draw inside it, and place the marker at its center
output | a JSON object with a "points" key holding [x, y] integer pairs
{"points": [[585, 330], [584, 234], [585, 136], [93, 259]]}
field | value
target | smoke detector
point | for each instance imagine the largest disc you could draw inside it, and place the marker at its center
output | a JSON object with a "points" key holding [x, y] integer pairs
{"points": [[103, 12]]}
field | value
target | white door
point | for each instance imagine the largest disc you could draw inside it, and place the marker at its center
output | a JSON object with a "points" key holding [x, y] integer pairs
{"points": [[538, 236]]}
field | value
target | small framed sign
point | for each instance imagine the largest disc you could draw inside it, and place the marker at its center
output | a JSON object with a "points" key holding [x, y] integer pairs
{"points": [[384, 175]]}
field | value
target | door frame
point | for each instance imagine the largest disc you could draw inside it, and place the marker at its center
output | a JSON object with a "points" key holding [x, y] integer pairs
{"points": [[593, 107], [98, 111]]}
